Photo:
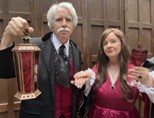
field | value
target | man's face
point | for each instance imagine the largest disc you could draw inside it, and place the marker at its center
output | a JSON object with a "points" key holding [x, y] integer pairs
{"points": [[63, 25]]}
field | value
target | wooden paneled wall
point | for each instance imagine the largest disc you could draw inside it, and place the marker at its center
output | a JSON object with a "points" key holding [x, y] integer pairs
{"points": [[134, 17]]}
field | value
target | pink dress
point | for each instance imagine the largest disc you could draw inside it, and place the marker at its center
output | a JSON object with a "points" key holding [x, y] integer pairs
{"points": [[109, 103]]}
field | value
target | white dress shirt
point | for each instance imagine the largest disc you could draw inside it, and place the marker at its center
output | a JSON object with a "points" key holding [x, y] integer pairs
{"points": [[57, 44]]}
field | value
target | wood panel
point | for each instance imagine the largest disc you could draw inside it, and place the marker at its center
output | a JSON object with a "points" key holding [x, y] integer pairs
{"points": [[139, 24], [134, 17], [101, 15], [9, 105]]}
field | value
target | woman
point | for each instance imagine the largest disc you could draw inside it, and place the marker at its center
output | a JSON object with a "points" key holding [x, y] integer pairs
{"points": [[113, 94]]}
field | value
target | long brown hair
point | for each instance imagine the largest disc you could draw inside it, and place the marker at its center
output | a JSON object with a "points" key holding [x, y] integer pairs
{"points": [[124, 58]]}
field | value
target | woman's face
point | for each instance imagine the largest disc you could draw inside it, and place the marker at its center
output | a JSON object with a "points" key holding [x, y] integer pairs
{"points": [[112, 46]]}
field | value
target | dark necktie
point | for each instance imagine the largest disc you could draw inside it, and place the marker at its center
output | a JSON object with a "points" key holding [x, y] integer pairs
{"points": [[62, 53], [63, 68]]}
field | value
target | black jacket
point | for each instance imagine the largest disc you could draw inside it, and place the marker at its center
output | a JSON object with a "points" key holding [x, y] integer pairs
{"points": [[43, 106], [152, 111]]}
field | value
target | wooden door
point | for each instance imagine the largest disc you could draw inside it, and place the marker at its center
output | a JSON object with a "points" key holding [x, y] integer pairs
{"points": [[139, 24], [134, 17], [101, 15]]}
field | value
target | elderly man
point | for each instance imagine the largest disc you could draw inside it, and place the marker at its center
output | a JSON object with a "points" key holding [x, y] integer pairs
{"points": [[59, 97]]}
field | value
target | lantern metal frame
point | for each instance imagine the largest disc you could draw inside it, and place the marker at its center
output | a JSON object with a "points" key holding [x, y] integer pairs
{"points": [[18, 52]]}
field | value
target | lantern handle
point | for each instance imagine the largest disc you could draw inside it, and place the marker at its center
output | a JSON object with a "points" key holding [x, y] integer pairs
{"points": [[26, 38]]}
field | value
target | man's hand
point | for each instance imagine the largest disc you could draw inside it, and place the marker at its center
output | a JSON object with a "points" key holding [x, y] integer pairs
{"points": [[80, 78], [17, 27]]}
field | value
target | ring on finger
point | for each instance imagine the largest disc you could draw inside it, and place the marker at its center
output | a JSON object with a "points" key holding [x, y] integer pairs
{"points": [[139, 75]]}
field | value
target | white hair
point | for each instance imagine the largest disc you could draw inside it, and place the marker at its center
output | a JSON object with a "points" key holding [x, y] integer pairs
{"points": [[53, 9]]}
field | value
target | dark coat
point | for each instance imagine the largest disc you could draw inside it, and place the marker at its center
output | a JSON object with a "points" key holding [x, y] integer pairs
{"points": [[152, 111], [44, 105]]}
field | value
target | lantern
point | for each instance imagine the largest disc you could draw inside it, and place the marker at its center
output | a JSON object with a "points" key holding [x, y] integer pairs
{"points": [[26, 60]]}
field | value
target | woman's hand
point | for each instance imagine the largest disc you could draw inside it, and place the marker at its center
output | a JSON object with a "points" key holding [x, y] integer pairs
{"points": [[142, 75], [80, 78]]}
